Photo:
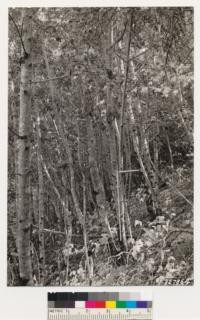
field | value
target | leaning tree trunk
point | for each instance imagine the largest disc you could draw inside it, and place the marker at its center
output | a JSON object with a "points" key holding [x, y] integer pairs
{"points": [[23, 212]]}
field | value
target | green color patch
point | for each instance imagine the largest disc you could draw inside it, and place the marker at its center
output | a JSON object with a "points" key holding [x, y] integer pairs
{"points": [[120, 304]]}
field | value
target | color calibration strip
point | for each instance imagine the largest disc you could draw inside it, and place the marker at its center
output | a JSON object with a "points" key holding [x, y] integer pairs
{"points": [[100, 300], [108, 304]]}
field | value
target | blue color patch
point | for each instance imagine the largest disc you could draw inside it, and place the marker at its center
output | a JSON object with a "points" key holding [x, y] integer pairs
{"points": [[131, 304]]}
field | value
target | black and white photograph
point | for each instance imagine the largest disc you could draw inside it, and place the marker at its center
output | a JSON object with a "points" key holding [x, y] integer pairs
{"points": [[100, 146]]}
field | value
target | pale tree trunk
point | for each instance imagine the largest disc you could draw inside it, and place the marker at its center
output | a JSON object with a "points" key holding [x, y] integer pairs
{"points": [[82, 163], [121, 141], [156, 157], [111, 123], [127, 183], [85, 236], [14, 117], [23, 212], [34, 193], [13, 153], [68, 231], [40, 202]]}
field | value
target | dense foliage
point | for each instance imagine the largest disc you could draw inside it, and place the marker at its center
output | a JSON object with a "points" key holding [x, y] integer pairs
{"points": [[110, 134]]}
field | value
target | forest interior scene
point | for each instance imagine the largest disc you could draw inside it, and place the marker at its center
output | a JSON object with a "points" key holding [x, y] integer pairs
{"points": [[100, 146]]}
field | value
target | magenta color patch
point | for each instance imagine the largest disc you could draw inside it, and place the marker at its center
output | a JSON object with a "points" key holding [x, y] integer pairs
{"points": [[90, 304]]}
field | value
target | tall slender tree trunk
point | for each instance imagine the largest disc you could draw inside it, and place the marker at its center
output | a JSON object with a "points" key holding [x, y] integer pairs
{"points": [[121, 141], [111, 120], [23, 212], [41, 202], [81, 129], [14, 117], [68, 230]]}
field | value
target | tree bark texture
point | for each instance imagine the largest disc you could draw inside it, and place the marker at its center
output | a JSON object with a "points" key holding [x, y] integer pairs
{"points": [[23, 212]]}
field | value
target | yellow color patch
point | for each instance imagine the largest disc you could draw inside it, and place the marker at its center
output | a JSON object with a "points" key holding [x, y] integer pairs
{"points": [[110, 304]]}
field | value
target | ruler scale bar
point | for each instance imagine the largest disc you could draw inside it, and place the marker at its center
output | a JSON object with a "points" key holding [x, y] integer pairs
{"points": [[95, 314], [97, 317]]}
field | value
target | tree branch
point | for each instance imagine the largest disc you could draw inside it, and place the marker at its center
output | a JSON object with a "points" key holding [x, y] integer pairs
{"points": [[50, 79], [19, 33]]}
